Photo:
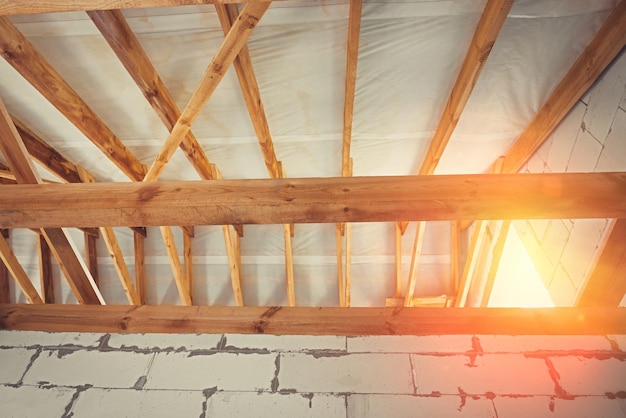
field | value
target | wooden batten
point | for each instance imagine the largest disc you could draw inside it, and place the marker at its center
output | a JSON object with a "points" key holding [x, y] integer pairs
{"points": [[180, 279], [5, 290], [18, 273], [188, 261], [501, 234], [415, 255], [46, 280], [140, 277]]}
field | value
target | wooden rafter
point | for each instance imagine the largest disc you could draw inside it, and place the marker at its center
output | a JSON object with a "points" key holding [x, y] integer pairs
{"points": [[25, 58], [91, 257], [313, 320], [502, 231], [5, 290], [188, 261], [455, 254], [602, 49], [415, 255], [124, 43], [140, 279], [184, 291], [225, 55], [18, 273], [45, 270], [606, 285], [59, 242], [317, 200], [15, 7]]}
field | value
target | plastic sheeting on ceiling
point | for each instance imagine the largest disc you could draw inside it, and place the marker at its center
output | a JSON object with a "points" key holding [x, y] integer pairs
{"points": [[409, 55]]}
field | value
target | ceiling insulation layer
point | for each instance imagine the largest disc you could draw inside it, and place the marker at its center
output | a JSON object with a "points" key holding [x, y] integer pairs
{"points": [[410, 53]]}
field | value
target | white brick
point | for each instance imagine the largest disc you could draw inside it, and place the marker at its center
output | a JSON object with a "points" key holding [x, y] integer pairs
{"points": [[227, 371], [562, 290], [31, 401], [355, 373], [585, 154], [580, 250], [30, 338], [613, 156], [563, 138], [247, 404], [404, 406], [410, 344], [544, 406], [100, 369], [582, 376], [604, 99], [107, 403], [554, 240], [285, 342], [83, 339], [165, 342], [533, 343], [497, 373], [13, 363]]}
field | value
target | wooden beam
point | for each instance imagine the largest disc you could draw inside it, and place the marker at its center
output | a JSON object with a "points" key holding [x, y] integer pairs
{"points": [[312, 320], [317, 200], [118, 34], [496, 255], [59, 242], [602, 49], [489, 25], [25, 58], [18, 273], [91, 256], [291, 291], [188, 260], [140, 279], [233, 264], [341, 286], [45, 270], [606, 285], [429, 301], [455, 254], [225, 55], [5, 290], [227, 15], [398, 259], [348, 280], [473, 255], [415, 255], [177, 269], [352, 55], [15, 7]]}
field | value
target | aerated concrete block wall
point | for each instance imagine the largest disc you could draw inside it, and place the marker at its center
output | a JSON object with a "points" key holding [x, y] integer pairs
{"points": [[591, 138], [160, 375]]}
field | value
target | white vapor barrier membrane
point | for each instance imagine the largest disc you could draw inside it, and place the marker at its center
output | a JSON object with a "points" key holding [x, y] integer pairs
{"points": [[410, 53]]}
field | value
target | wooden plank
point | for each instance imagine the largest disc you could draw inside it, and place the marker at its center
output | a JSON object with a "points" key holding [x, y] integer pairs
{"points": [[227, 15], [317, 200], [473, 255], [225, 55], [352, 55], [606, 285], [18, 273], [313, 320], [602, 49], [432, 301], [188, 261], [45, 155], [140, 278], [415, 255], [117, 32], [341, 286], [5, 290], [233, 264], [398, 259], [15, 7], [108, 235], [25, 58], [455, 254], [91, 257], [489, 25], [177, 270], [45, 270], [496, 256], [291, 291], [348, 279], [59, 242]]}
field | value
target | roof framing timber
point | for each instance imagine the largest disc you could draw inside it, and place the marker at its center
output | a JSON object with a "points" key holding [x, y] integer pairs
{"points": [[14, 7], [316, 200], [313, 321]]}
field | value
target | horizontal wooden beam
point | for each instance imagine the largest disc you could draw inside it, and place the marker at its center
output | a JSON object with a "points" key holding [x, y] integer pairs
{"points": [[14, 7], [313, 321], [316, 200]]}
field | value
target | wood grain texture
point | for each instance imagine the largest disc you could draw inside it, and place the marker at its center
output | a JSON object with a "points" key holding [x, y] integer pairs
{"points": [[115, 252], [602, 49], [177, 269], [124, 43], [606, 285], [496, 255], [227, 14], [316, 200], [15, 7], [291, 292], [188, 261], [415, 255], [5, 290], [91, 257], [224, 57], [140, 279], [341, 286], [45, 270], [313, 321], [474, 252], [18, 273], [25, 58]]}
